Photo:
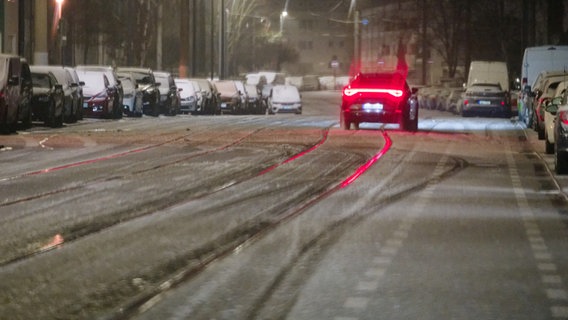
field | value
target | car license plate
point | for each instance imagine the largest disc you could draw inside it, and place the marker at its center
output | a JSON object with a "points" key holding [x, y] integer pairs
{"points": [[286, 106], [223, 105], [85, 105], [373, 106], [484, 102]]}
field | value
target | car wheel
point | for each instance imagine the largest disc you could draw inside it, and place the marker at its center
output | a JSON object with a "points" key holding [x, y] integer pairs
{"points": [[548, 147], [539, 131], [50, 120], [27, 122], [561, 163], [344, 121]]}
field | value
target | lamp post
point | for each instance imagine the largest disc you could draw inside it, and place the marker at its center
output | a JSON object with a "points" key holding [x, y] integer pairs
{"points": [[58, 28], [283, 15]]}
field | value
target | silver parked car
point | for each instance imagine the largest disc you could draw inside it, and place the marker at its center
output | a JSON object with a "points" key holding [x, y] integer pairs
{"points": [[188, 95], [284, 98]]}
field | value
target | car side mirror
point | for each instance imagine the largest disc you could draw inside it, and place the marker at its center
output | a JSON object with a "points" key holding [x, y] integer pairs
{"points": [[157, 84], [81, 83], [551, 108], [414, 90]]}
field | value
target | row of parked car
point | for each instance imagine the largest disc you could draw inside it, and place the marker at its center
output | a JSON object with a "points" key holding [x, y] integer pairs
{"points": [[487, 99], [56, 94], [549, 104]]}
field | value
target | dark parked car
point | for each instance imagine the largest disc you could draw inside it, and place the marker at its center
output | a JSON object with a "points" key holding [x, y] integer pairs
{"points": [[209, 95], [10, 83], [486, 100], [48, 98], [169, 95], [64, 78], [26, 93], [379, 97], [229, 96], [115, 86], [149, 87], [99, 95], [77, 90], [256, 104]]}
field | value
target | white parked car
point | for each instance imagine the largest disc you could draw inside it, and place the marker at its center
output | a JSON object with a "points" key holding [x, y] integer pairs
{"points": [[284, 98], [188, 95], [550, 111], [132, 100]]}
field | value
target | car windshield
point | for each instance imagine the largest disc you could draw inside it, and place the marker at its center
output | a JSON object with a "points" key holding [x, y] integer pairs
{"points": [[226, 87], [388, 80], [94, 81], [285, 94], [186, 89], [164, 82], [41, 80], [127, 84], [142, 78]]}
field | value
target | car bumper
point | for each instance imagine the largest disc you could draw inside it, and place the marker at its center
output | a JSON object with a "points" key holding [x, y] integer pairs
{"points": [[562, 139], [382, 116], [286, 108]]}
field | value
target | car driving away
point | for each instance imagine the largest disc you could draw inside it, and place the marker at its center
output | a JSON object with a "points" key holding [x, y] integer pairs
{"points": [[379, 97]]}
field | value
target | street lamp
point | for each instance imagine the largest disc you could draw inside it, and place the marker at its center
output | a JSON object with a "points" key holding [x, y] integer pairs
{"points": [[283, 15]]}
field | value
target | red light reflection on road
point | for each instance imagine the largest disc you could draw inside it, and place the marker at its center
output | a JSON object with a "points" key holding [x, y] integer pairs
{"points": [[368, 164]]}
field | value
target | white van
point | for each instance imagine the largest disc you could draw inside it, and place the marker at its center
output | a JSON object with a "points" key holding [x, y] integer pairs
{"points": [[488, 72], [535, 61]]}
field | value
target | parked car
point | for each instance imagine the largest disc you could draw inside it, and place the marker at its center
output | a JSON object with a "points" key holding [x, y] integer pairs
{"points": [[211, 103], [26, 94], [78, 90], [169, 98], [115, 86], [486, 99], [189, 97], [132, 100], [379, 97], [284, 98], [65, 79], [243, 95], [550, 110], [561, 136], [543, 91], [453, 99], [147, 84], [229, 96], [10, 86], [99, 95], [256, 104], [48, 98]]}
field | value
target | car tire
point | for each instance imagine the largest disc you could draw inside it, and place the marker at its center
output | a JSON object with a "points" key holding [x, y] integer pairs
{"points": [[344, 121], [540, 132], [561, 162], [50, 120], [548, 147]]}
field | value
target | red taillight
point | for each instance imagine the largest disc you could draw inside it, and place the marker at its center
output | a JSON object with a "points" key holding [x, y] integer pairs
{"points": [[502, 103], [465, 102], [563, 116], [353, 91]]}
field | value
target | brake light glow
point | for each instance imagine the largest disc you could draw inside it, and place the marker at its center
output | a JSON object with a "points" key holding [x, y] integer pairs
{"points": [[353, 91], [563, 116]]}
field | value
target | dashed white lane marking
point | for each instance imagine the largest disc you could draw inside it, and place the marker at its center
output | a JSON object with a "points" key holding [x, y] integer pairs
{"points": [[547, 268], [374, 274]]}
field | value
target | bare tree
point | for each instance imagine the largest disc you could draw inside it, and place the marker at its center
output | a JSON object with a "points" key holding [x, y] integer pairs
{"points": [[446, 23]]}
